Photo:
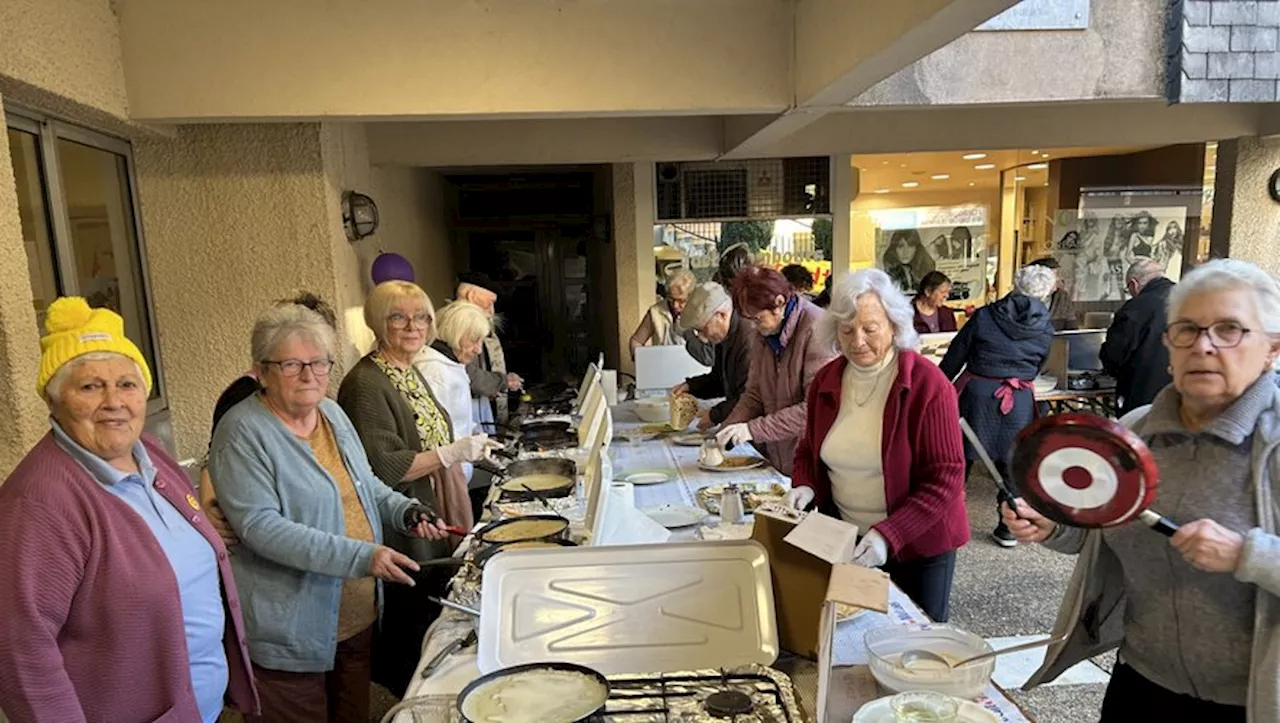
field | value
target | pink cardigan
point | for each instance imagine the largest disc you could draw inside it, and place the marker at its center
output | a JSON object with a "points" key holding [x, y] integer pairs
{"points": [[90, 619], [773, 404], [921, 450]]}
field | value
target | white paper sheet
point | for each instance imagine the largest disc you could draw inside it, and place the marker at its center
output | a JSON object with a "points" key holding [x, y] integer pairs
{"points": [[824, 537]]}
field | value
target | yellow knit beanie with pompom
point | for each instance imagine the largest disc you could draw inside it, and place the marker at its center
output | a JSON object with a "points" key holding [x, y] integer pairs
{"points": [[73, 329]]}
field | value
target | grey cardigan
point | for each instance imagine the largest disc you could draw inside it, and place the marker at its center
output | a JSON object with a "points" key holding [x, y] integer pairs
{"points": [[287, 511], [1093, 610]]}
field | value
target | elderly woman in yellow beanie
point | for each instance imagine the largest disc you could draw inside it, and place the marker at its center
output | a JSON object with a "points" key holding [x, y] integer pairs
{"points": [[118, 599]]}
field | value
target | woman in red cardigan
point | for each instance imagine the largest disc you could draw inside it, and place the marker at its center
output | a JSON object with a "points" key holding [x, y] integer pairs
{"points": [[882, 446]]}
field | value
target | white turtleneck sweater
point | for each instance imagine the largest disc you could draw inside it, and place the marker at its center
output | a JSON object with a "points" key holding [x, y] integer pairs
{"points": [[852, 449]]}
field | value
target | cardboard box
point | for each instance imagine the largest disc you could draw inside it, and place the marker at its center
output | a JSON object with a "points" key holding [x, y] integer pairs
{"points": [[848, 688], [800, 581]]}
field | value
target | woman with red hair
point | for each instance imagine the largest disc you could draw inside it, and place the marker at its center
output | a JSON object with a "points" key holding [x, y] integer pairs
{"points": [[785, 357]]}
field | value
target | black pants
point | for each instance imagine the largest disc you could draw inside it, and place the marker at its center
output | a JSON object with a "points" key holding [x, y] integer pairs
{"points": [[1131, 697], [927, 581]]}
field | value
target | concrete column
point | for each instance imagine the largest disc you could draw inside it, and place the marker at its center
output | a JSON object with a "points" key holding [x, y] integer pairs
{"points": [[844, 188], [23, 412], [633, 219], [1246, 222]]}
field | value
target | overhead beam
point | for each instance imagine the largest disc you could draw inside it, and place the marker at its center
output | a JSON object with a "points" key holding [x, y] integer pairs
{"points": [[1138, 123], [843, 47], [566, 141], [239, 60]]}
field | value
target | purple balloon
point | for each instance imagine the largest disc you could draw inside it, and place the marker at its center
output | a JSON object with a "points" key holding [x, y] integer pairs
{"points": [[391, 267]]}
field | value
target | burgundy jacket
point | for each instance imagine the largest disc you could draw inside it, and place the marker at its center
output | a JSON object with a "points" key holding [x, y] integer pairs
{"points": [[90, 619], [922, 452], [773, 402]]}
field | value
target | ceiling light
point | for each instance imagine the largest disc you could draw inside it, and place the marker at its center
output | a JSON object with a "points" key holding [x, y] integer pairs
{"points": [[1035, 153], [902, 165], [984, 166], [940, 176], [970, 183], [882, 190], [884, 163], [1044, 155], [1019, 178], [1038, 166], [910, 184], [974, 156]]}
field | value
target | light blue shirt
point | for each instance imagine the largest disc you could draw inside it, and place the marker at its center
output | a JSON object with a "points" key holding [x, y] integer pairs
{"points": [[191, 557]]}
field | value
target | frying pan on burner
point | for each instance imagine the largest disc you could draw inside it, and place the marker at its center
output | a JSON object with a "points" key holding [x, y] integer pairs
{"points": [[1087, 471]]}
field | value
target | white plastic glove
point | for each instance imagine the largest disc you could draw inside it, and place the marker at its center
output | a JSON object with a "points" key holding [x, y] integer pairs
{"points": [[800, 497], [467, 449], [733, 435], [873, 551]]}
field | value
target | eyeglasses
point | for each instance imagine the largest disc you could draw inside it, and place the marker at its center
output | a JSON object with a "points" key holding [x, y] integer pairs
{"points": [[294, 367], [398, 321], [1222, 334]]}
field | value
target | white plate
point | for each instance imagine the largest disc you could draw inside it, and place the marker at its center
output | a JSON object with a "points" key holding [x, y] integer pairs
{"points": [[879, 711], [693, 439], [755, 462], [647, 478], [674, 516]]}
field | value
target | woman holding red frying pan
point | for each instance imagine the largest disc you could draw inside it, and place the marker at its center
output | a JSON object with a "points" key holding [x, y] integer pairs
{"points": [[1196, 616]]}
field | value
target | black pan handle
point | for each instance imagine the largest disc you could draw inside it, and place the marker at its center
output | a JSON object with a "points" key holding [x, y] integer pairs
{"points": [[1159, 523]]}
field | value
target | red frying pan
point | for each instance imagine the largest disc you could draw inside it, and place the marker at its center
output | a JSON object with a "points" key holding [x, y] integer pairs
{"points": [[1087, 471]]}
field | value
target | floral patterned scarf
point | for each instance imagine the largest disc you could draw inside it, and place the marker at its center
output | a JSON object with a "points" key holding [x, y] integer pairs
{"points": [[433, 427]]}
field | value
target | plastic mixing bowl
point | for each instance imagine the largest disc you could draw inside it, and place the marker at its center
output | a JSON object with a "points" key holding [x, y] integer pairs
{"points": [[886, 645]]}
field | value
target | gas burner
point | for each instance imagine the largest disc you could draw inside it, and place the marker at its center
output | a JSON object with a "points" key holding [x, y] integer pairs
{"points": [[728, 704]]}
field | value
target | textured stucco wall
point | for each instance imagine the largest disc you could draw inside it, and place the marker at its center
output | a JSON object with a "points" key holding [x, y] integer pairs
{"points": [[1255, 218], [413, 224], [1120, 55], [235, 216], [345, 155], [21, 410], [70, 48]]}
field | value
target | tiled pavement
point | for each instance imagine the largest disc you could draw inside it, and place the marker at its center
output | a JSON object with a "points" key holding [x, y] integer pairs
{"points": [[1001, 593]]}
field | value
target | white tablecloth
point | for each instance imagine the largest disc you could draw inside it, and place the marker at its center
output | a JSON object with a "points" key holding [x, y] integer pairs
{"points": [[854, 682]]}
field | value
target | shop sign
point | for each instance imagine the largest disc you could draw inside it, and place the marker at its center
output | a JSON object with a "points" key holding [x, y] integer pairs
{"points": [[1042, 15]]}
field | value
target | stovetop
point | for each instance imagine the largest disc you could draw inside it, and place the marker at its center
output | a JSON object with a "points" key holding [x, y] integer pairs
{"points": [[751, 694]]}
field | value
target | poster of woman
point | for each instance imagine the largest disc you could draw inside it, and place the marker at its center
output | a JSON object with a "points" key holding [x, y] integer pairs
{"points": [[1098, 259], [911, 242]]}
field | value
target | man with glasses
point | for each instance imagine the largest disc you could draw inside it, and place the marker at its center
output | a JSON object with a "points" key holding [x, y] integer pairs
{"points": [[710, 316], [1133, 352]]}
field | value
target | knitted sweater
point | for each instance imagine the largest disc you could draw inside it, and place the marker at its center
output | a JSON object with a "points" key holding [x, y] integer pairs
{"points": [[91, 627], [384, 421], [923, 459], [1174, 610]]}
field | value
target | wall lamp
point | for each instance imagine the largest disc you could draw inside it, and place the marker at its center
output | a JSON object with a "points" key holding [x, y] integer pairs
{"points": [[359, 215]]}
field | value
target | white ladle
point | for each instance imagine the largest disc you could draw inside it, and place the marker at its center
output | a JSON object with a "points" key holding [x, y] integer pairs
{"points": [[914, 658]]}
